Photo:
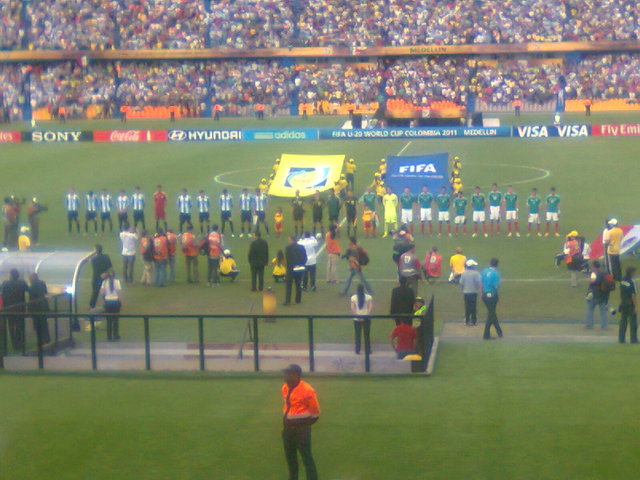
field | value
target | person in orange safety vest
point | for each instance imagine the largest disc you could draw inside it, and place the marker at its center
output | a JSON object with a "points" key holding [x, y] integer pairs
{"points": [[300, 411]]}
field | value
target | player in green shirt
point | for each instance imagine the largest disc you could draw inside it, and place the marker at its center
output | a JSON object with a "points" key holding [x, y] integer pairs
{"points": [[533, 203], [495, 201], [478, 203], [511, 211], [369, 199], [460, 205], [553, 213], [425, 199], [443, 200], [407, 199], [333, 207]]}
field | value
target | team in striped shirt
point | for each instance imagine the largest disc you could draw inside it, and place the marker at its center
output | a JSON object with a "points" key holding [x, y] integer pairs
{"points": [[252, 207]]}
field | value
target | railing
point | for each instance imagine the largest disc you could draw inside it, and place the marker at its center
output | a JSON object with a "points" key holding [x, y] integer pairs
{"points": [[423, 347], [64, 323]]}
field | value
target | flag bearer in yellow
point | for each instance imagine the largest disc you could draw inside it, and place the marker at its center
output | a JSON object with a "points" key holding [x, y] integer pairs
{"points": [[456, 164], [24, 241], [383, 168], [263, 186], [341, 186], [350, 171]]}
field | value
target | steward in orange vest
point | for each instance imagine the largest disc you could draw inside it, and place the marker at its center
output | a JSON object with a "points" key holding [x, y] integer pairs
{"points": [[300, 411], [190, 251]]}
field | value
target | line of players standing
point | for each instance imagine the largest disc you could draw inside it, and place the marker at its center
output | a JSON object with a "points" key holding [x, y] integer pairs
{"points": [[497, 202], [130, 210]]}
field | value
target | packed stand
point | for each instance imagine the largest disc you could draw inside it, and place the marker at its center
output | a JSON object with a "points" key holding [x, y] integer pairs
{"points": [[602, 20], [162, 83], [162, 24], [70, 85], [11, 91], [71, 24], [240, 85], [11, 28], [423, 80], [251, 24], [604, 77], [354, 23], [338, 83], [501, 84]]}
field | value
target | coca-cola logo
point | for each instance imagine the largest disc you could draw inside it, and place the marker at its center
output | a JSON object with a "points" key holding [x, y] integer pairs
{"points": [[9, 137], [125, 136]]}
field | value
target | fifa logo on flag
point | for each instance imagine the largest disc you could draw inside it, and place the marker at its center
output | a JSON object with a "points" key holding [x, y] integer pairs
{"points": [[307, 177], [420, 168]]}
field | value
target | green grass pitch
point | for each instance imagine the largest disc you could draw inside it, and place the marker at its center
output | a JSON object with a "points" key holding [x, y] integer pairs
{"points": [[491, 411]]}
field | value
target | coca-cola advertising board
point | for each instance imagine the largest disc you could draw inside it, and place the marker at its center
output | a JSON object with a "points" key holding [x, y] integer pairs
{"points": [[130, 136], [10, 137]]}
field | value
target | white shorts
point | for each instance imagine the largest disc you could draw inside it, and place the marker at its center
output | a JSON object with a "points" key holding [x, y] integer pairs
{"points": [[459, 219], [494, 213], [479, 216], [552, 216], [443, 216], [534, 218], [511, 215], [425, 214], [406, 216]]}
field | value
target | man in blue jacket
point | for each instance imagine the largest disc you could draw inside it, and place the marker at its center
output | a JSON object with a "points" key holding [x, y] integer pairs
{"points": [[490, 287]]}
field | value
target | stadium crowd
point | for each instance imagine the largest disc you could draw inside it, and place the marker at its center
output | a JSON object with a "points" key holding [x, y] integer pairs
{"points": [[136, 24], [239, 85]]}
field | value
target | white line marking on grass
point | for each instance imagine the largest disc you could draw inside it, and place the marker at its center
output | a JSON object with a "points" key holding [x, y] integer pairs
{"points": [[231, 172], [405, 147], [545, 173]]}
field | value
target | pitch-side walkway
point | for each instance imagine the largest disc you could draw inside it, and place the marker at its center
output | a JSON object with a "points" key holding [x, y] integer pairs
{"points": [[532, 333], [172, 356]]}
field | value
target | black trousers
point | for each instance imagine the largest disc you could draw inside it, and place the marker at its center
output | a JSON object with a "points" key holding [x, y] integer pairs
{"points": [[123, 221], [471, 308], [16, 331], [257, 277], [96, 283], [41, 327], [298, 439], [113, 322], [290, 279], [627, 316], [309, 277], [363, 327], [138, 217], [492, 318]]}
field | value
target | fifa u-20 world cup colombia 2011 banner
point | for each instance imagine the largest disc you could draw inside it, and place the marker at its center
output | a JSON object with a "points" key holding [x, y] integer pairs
{"points": [[306, 173], [417, 171]]}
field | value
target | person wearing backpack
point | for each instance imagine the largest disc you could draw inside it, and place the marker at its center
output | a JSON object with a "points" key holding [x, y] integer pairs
{"points": [[598, 296], [358, 258]]}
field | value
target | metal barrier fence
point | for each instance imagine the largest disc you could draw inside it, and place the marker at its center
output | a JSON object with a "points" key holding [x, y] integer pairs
{"points": [[424, 330]]}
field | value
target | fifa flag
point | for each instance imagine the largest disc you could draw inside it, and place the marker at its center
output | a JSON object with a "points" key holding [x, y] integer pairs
{"points": [[416, 171], [306, 173]]}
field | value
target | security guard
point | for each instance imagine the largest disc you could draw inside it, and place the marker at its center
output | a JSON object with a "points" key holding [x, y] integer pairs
{"points": [[300, 411]]}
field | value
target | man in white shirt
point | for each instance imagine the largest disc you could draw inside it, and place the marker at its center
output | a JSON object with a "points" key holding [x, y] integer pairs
{"points": [[129, 239], [310, 244]]}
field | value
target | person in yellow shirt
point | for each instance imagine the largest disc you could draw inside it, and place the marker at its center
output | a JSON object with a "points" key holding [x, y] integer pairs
{"points": [[228, 267], [341, 186], [456, 164], [24, 241], [263, 186], [278, 222], [381, 190], [350, 170], [279, 267], [390, 204], [457, 263], [457, 185], [612, 239], [367, 222], [383, 168]]}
